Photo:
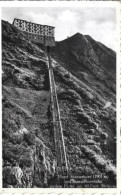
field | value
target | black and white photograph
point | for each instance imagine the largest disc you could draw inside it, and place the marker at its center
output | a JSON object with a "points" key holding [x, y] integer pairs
{"points": [[59, 97]]}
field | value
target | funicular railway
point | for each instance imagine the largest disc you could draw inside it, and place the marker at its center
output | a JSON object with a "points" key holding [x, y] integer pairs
{"points": [[59, 144]]}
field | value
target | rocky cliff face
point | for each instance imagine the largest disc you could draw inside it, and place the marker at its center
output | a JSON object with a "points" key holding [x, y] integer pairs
{"points": [[85, 76]]}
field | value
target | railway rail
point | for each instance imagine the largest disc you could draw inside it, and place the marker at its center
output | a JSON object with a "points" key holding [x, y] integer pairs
{"points": [[59, 143]]}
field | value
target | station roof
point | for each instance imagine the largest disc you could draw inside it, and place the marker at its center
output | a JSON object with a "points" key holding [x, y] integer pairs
{"points": [[32, 22]]}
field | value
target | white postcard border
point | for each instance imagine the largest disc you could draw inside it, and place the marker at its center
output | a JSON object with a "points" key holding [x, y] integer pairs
{"points": [[53, 191]]}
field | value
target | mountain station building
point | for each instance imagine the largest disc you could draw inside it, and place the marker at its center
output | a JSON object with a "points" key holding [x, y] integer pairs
{"points": [[36, 32]]}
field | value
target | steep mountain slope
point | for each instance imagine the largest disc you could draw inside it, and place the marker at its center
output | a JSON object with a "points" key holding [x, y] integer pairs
{"points": [[90, 61], [85, 72]]}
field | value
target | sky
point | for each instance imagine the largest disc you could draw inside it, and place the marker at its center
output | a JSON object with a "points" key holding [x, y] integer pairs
{"points": [[99, 23]]}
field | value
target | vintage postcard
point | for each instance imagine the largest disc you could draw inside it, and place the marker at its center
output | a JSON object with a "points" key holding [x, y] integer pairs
{"points": [[60, 89]]}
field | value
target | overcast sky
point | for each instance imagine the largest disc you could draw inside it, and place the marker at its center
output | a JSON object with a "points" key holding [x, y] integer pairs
{"points": [[100, 23]]}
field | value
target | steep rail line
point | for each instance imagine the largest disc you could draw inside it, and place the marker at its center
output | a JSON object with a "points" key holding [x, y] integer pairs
{"points": [[59, 144]]}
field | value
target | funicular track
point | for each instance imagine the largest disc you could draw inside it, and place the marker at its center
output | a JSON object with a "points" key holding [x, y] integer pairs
{"points": [[59, 144]]}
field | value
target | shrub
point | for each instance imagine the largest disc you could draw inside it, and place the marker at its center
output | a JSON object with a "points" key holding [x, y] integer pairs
{"points": [[67, 76], [8, 177], [29, 138], [90, 131], [100, 162], [97, 149], [104, 135], [73, 93], [70, 95], [25, 160], [13, 152], [16, 139]]}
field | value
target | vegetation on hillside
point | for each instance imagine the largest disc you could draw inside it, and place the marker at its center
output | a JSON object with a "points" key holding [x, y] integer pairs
{"points": [[84, 83]]}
